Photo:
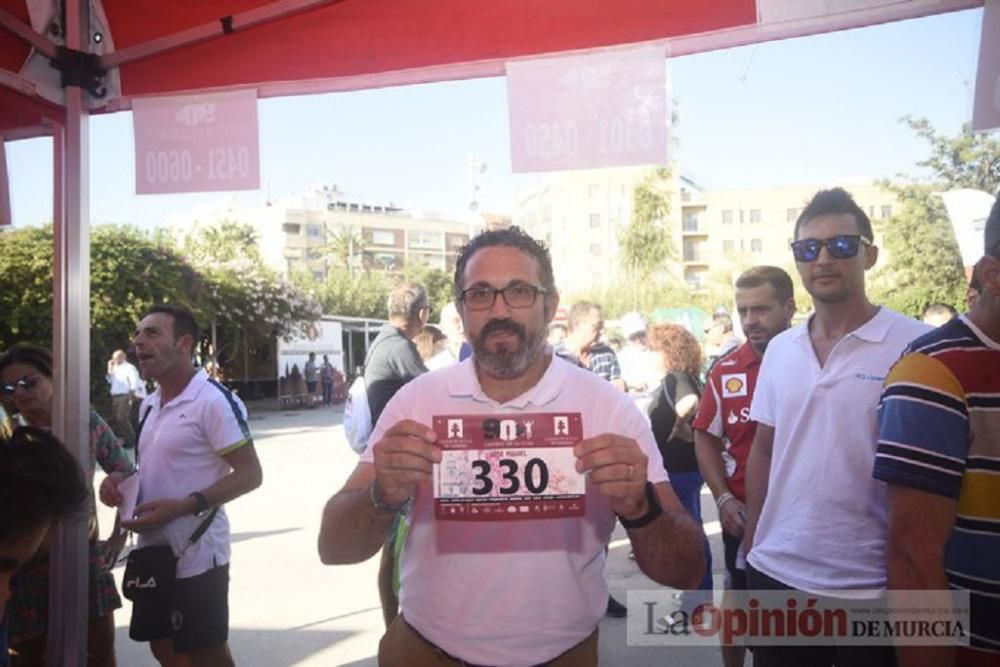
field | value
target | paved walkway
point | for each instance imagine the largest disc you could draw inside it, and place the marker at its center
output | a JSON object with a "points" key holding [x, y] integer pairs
{"points": [[286, 608]]}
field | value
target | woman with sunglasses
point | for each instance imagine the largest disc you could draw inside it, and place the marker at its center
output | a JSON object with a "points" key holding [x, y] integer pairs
{"points": [[26, 386]]}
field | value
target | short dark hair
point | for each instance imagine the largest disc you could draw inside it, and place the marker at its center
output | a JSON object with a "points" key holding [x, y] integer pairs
{"points": [[578, 312], [940, 309], [778, 279], [833, 202], [36, 356], [40, 481], [406, 300], [184, 322], [511, 237]]}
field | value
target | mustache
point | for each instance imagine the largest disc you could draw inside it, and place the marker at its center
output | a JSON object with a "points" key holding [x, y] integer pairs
{"points": [[505, 326]]}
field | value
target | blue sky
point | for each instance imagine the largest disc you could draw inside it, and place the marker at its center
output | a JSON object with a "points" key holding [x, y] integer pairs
{"points": [[815, 110]]}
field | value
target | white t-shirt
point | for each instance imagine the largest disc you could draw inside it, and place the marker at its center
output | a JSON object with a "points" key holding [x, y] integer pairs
{"points": [[180, 452], [124, 380], [512, 592], [824, 521]]}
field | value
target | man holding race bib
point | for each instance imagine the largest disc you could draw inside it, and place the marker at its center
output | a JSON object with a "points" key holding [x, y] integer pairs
{"points": [[512, 465]]}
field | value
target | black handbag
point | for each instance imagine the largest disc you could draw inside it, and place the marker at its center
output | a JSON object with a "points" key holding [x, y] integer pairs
{"points": [[151, 571]]}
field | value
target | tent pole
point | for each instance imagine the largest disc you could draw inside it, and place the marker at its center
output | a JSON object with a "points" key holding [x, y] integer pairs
{"points": [[40, 43], [68, 588], [273, 11]]}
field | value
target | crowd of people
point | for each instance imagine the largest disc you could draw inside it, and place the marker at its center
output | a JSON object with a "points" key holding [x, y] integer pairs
{"points": [[855, 451]]}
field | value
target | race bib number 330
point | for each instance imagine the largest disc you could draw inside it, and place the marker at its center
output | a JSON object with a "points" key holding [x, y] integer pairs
{"points": [[508, 467]]}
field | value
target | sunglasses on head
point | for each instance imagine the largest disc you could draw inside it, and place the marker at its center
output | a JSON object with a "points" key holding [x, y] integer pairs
{"points": [[28, 382], [839, 247]]}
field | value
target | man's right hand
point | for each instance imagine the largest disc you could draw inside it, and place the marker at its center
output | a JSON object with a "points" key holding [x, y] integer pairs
{"points": [[732, 516], [403, 458]]}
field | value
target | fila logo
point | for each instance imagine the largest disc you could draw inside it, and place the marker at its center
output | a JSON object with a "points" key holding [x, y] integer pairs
{"points": [[734, 385]]}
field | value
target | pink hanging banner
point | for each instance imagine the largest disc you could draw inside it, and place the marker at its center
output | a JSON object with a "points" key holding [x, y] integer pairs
{"points": [[986, 107], [604, 109], [196, 143], [5, 213]]}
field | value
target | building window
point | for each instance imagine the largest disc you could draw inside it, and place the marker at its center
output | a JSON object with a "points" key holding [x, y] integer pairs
{"points": [[693, 250], [290, 228], [691, 221], [755, 215], [595, 249], [792, 214], [319, 275], [886, 212], [727, 217], [314, 231], [593, 190], [595, 220], [386, 261], [425, 239], [729, 246], [757, 245], [381, 237]]}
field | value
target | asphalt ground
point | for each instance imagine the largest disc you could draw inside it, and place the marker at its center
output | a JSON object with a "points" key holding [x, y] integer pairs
{"points": [[286, 608]]}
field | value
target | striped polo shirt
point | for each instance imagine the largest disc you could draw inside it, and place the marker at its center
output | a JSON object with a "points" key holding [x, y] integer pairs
{"points": [[940, 433]]}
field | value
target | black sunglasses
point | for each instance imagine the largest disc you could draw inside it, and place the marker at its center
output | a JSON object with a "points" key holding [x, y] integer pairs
{"points": [[839, 247], [27, 383]]}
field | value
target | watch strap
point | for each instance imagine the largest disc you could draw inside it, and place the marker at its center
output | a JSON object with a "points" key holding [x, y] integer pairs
{"points": [[654, 511]]}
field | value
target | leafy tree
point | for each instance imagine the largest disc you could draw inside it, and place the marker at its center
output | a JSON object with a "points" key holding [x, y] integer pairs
{"points": [[129, 272], [249, 303], [923, 264], [645, 242], [347, 248], [341, 293]]}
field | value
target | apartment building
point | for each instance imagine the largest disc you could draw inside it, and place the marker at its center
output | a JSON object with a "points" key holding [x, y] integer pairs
{"points": [[744, 227], [581, 214], [299, 232]]}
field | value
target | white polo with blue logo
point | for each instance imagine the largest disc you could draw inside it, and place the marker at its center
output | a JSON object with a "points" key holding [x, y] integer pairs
{"points": [[823, 524]]}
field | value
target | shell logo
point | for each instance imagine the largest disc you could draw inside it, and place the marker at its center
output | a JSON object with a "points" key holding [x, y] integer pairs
{"points": [[734, 385]]}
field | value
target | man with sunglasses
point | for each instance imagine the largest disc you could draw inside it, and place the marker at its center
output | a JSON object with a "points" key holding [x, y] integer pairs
{"points": [[939, 451], [816, 519], [517, 589]]}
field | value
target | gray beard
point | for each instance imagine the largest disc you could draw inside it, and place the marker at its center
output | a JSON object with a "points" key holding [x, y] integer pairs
{"points": [[506, 363]]}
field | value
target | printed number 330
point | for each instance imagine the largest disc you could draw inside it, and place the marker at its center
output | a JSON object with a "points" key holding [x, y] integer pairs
{"points": [[536, 477]]}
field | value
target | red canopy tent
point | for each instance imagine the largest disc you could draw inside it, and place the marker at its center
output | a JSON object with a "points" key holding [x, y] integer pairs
{"points": [[285, 47]]}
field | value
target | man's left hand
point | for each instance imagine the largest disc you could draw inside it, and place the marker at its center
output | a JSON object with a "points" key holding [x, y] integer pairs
{"points": [[156, 514], [617, 467]]}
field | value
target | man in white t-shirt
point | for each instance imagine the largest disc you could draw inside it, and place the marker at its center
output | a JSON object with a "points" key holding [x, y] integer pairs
{"points": [[195, 453], [125, 386], [522, 591], [816, 520]]}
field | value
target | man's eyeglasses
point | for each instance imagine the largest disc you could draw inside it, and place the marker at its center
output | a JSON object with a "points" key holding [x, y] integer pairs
{"points": [[27, 383], [519, 295], [839, 247]]}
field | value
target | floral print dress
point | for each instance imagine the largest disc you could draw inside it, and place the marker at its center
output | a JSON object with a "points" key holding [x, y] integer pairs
{"points": [[29, 602]]}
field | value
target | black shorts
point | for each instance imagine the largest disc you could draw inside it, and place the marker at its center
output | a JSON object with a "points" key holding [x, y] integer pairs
{"points": [[736, 579], [195, 617]]}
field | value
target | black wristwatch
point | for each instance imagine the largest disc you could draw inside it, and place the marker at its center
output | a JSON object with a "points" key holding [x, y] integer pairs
{"points": [[201, 505], [655, 510]]}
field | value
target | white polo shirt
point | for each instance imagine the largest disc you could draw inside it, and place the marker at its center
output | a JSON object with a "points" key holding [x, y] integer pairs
{"points": [[512, 592], [824, 521], [180, 452]]}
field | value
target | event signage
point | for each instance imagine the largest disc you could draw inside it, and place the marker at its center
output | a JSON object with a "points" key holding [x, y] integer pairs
{"points": [[508, 467], [196, 143], [606, 109], [986, 106]]}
